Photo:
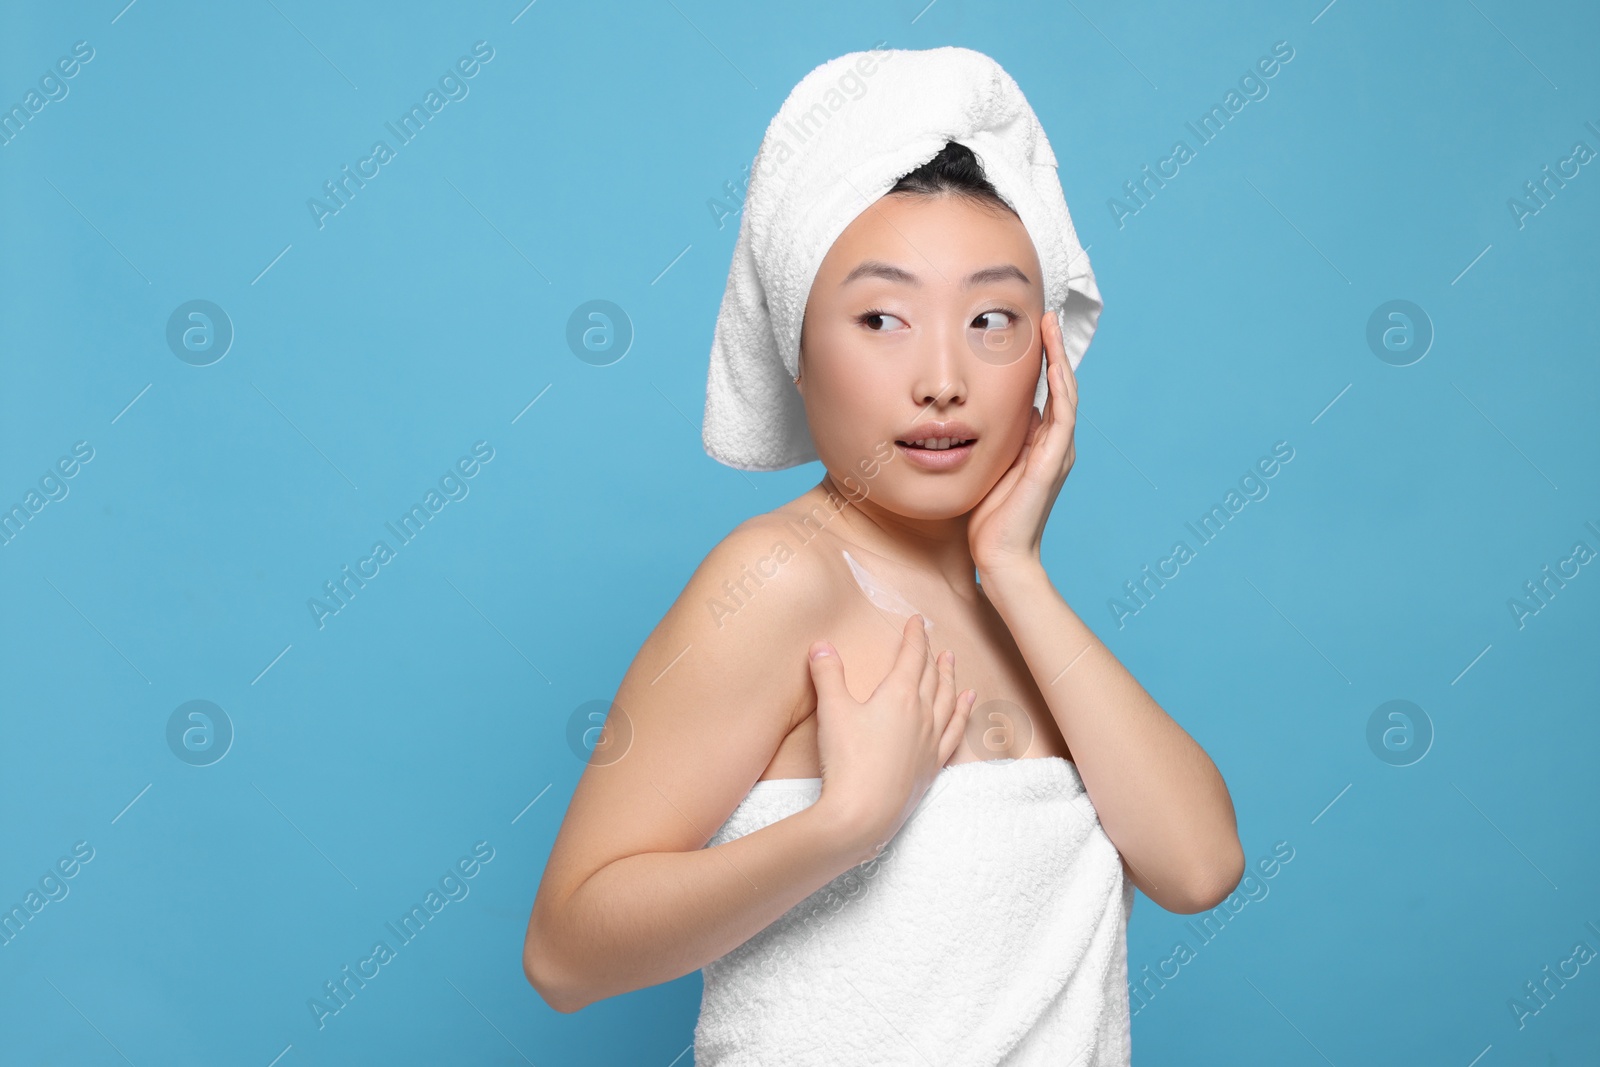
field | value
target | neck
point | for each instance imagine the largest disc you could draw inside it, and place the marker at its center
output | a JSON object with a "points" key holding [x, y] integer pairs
{"points": [[937, 546]]}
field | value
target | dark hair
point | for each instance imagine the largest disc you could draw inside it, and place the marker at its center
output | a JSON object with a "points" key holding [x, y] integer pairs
{"points": [[954, 170]]}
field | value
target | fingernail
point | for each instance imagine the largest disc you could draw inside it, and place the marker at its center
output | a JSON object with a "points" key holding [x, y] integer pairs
{"points": [[818, 651]]}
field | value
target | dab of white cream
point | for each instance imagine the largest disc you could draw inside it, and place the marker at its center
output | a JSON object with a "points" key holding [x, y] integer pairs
{"points": [[882, 595]]}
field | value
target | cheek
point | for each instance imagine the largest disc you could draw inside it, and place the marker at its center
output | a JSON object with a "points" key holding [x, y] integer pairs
{"points": [[853, 421], [850, 414], [852, 390], [1024, 374], [1009, 392]]}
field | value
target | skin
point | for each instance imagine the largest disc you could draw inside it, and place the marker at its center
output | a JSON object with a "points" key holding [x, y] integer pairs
{"points": [[745, 677]]}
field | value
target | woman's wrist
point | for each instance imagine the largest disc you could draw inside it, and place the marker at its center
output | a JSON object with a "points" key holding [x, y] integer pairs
{"points": [[852, 838], [999, 579]]}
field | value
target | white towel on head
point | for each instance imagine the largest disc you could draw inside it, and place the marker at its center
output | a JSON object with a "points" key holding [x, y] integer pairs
{"points": [[846, 133]]}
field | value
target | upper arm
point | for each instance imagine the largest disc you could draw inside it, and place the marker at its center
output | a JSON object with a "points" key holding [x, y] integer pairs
{"points": [[702, 709]]}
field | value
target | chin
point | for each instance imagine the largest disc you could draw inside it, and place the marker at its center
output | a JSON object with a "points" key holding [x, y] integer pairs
{"points": [[929, 497]]}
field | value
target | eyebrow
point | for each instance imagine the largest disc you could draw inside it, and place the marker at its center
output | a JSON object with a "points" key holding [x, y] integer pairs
{"points": [[873, 268]]}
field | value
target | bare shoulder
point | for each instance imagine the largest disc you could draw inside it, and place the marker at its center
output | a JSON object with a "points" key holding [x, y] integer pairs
{"points": [[702, 708], [763, 564], [746, 617]]}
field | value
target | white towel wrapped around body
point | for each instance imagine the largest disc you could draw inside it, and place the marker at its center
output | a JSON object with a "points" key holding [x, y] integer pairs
{"points": [[991, 930]]}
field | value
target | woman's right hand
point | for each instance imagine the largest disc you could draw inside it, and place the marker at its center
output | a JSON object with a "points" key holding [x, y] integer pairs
{"points": [[880, 756]]}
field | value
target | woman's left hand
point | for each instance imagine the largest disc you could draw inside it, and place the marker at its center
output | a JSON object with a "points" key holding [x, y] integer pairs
{"points": [[1007, 526]]}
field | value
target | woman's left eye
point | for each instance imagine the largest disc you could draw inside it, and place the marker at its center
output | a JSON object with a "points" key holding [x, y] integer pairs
{"points": [[1011, 316]]}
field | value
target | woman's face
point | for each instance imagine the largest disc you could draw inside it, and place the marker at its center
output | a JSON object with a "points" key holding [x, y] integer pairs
{"points": [[925, 310]]}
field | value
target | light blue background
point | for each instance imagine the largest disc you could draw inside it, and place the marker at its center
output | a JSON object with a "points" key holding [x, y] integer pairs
{"points": [[432, 310]]}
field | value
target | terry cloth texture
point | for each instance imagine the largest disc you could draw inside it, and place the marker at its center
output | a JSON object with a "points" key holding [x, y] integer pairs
{"points": [[992, 929]]}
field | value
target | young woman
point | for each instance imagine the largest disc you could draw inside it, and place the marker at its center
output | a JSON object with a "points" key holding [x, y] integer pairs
{"points": [[838, 645]]}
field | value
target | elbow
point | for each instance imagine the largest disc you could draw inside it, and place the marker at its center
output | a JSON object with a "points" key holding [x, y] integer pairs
{"points": [[548, 980], [1214, 885]]}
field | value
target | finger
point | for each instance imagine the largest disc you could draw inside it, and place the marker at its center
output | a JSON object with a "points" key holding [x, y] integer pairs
{"points": [[933, 676], [1062, 401], [1052, 351], [1060, 408], [956, 731], [1058, 358], [1067, 371], [1064, 414], [1052, 412], [1067, 381], [928, 678], [1036, 435], [827, 673], [944, 695], [912, 660]]}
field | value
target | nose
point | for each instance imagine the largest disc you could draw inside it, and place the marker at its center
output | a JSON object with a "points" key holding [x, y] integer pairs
{"points": [[941, 375]]}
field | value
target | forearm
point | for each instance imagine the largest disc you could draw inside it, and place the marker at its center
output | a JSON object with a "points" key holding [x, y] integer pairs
{"points": [[1159, 796], [653, 917]]}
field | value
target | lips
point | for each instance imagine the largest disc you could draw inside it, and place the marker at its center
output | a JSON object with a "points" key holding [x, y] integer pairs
{"points": [[936, 444], [938, 449], [931, 459], [936, 433]]}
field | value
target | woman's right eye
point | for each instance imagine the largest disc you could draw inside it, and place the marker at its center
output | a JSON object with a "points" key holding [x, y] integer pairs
{"points": [[868, 318]]}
